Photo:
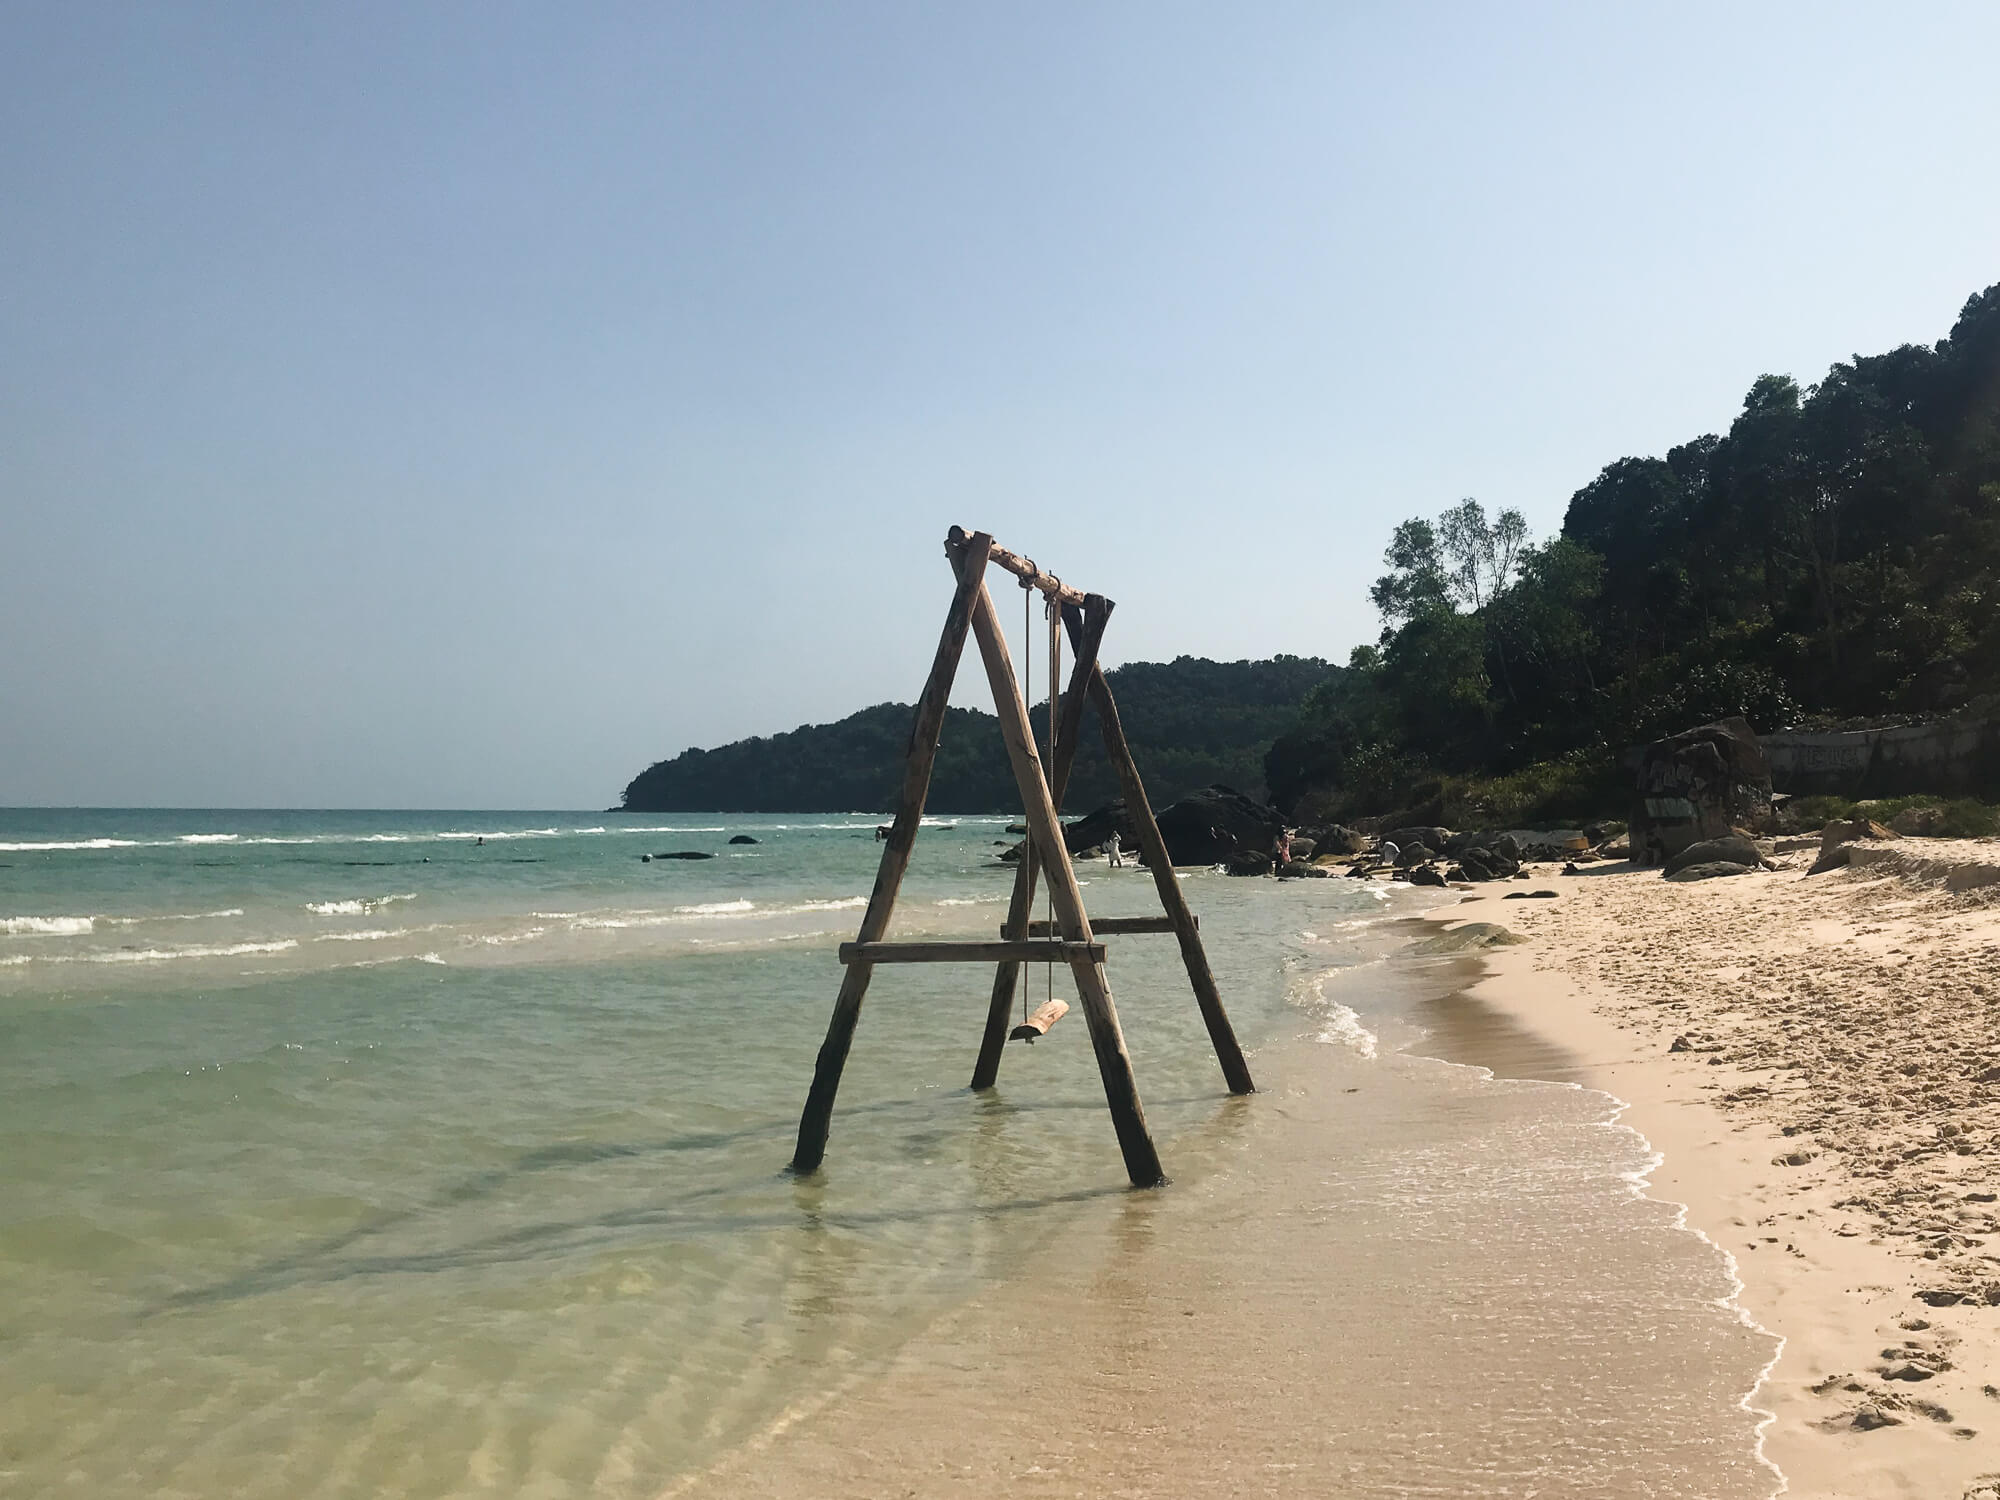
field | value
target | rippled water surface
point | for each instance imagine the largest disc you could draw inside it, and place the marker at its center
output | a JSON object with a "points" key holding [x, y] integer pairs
{"points": [[441, 1154]]}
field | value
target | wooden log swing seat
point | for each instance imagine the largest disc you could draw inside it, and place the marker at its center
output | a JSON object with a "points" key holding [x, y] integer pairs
{"points": [[1067, 936]]}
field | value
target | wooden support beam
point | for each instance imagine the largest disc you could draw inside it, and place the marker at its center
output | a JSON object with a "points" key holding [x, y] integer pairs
{"points": [[1115, 926], [1022, 568], [1228, 1052], [1067, 733], [817, 1116], [1043, 952], [1046, 1015], [1107, 1039]]}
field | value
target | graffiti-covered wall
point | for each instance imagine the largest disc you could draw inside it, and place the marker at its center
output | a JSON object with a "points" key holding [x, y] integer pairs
{"points": [[1956, 758]]}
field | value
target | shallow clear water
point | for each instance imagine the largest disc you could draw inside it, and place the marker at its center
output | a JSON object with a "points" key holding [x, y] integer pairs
{"points": [[344, 1154]]}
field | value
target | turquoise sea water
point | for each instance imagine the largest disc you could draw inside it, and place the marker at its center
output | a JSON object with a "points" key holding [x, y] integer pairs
{"points": [[442, 1153]]}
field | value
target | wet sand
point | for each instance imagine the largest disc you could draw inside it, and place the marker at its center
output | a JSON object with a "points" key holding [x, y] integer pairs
{"points": [[1832, 1119], [1380, 1276]]}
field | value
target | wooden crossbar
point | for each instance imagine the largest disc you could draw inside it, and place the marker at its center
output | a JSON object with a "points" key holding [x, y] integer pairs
{"points": [[971, 953], [1021, 567], [1113, 926]]}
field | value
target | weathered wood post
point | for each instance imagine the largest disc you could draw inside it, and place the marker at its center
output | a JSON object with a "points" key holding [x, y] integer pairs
{"points": [[1228, 1052], [970, 558], [1069, 730], [1107, 1040]]}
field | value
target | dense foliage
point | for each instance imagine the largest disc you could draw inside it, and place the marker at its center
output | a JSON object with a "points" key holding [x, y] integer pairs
{"points": [[1189, 721], [1834, 555]]}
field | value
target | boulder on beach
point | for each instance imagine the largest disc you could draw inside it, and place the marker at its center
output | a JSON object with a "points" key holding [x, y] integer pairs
{"points": [[1248, 862], [1733, 849], [1209, 826], [1426, 875], [1467, 937], [1837, 835], [1429, 835], [1334, 838], [1298, 869], [1710, 870], [1698, 785]]}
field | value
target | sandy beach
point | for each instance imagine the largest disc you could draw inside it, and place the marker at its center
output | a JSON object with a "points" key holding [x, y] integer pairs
{"points": [[1812, 1058], [1829, 1118]]}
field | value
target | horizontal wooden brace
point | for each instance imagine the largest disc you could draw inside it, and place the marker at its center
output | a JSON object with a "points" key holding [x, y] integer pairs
{"points": [[971, 953], [1114, 926], [1021, 567]]}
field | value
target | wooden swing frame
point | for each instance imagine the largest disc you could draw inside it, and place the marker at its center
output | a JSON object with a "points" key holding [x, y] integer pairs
{"points": [[1072, 940]]}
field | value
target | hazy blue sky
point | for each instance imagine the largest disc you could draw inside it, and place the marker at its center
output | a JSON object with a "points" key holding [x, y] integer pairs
{"points": [[465, 405]]}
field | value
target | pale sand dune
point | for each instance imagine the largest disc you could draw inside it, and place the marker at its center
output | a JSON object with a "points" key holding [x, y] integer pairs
{"points": [[1835, 1126]]}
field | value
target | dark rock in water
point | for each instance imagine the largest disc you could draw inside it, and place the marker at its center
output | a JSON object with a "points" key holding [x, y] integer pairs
{"points": [[1102, 826], [1426, 875], [685, 854], [1298, 869], [645, 859], [1698, 785], [1017, 827], [1430, 836], [1731, 849], [1248, 862], [1215, 823], [744, 838], [1712, 870]]}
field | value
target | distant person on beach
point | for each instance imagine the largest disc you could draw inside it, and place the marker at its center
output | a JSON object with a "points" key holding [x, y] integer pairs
{"points": [[1117, 855], [1284, 847], [1390, 853]]}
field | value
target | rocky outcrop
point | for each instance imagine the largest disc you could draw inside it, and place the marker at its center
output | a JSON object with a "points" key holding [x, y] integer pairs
{"points": [[1335, 838], [1216, 823], [1698, 785]]}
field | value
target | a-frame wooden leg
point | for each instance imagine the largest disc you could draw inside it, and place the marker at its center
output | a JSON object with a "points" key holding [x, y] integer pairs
{"points": [[1114, 1064], [1234, 1069], [813, 1123], [1085, 638]]}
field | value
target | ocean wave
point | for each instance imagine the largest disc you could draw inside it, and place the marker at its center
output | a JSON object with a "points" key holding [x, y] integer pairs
{"points": [[844, 903], [36, 848], [193, 950], [174, 916], [208, 838], [430, 958], [715, 908], [358, 906], [368, 935], [502, 939], [970, 900], [513, 833], [47, 926], [1343, 1027]]}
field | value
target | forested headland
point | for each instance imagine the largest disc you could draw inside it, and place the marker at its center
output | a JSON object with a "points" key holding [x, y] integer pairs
{"points": [[1190, 722], [1832, 557]]}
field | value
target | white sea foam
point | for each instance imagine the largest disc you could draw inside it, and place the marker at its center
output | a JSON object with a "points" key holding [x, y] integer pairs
{"points": [[208, 838], [429, 958], [505, 833], [716, 908], [69, 844], [502, 939], [174, 916], [845, 903], [1343, 1028], [197, 950], [358, 906], [46, 926], [369, 935]]}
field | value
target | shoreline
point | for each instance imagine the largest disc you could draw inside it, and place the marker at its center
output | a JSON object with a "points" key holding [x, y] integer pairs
{"points": [[1243, 1334], [1619, 969]]}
